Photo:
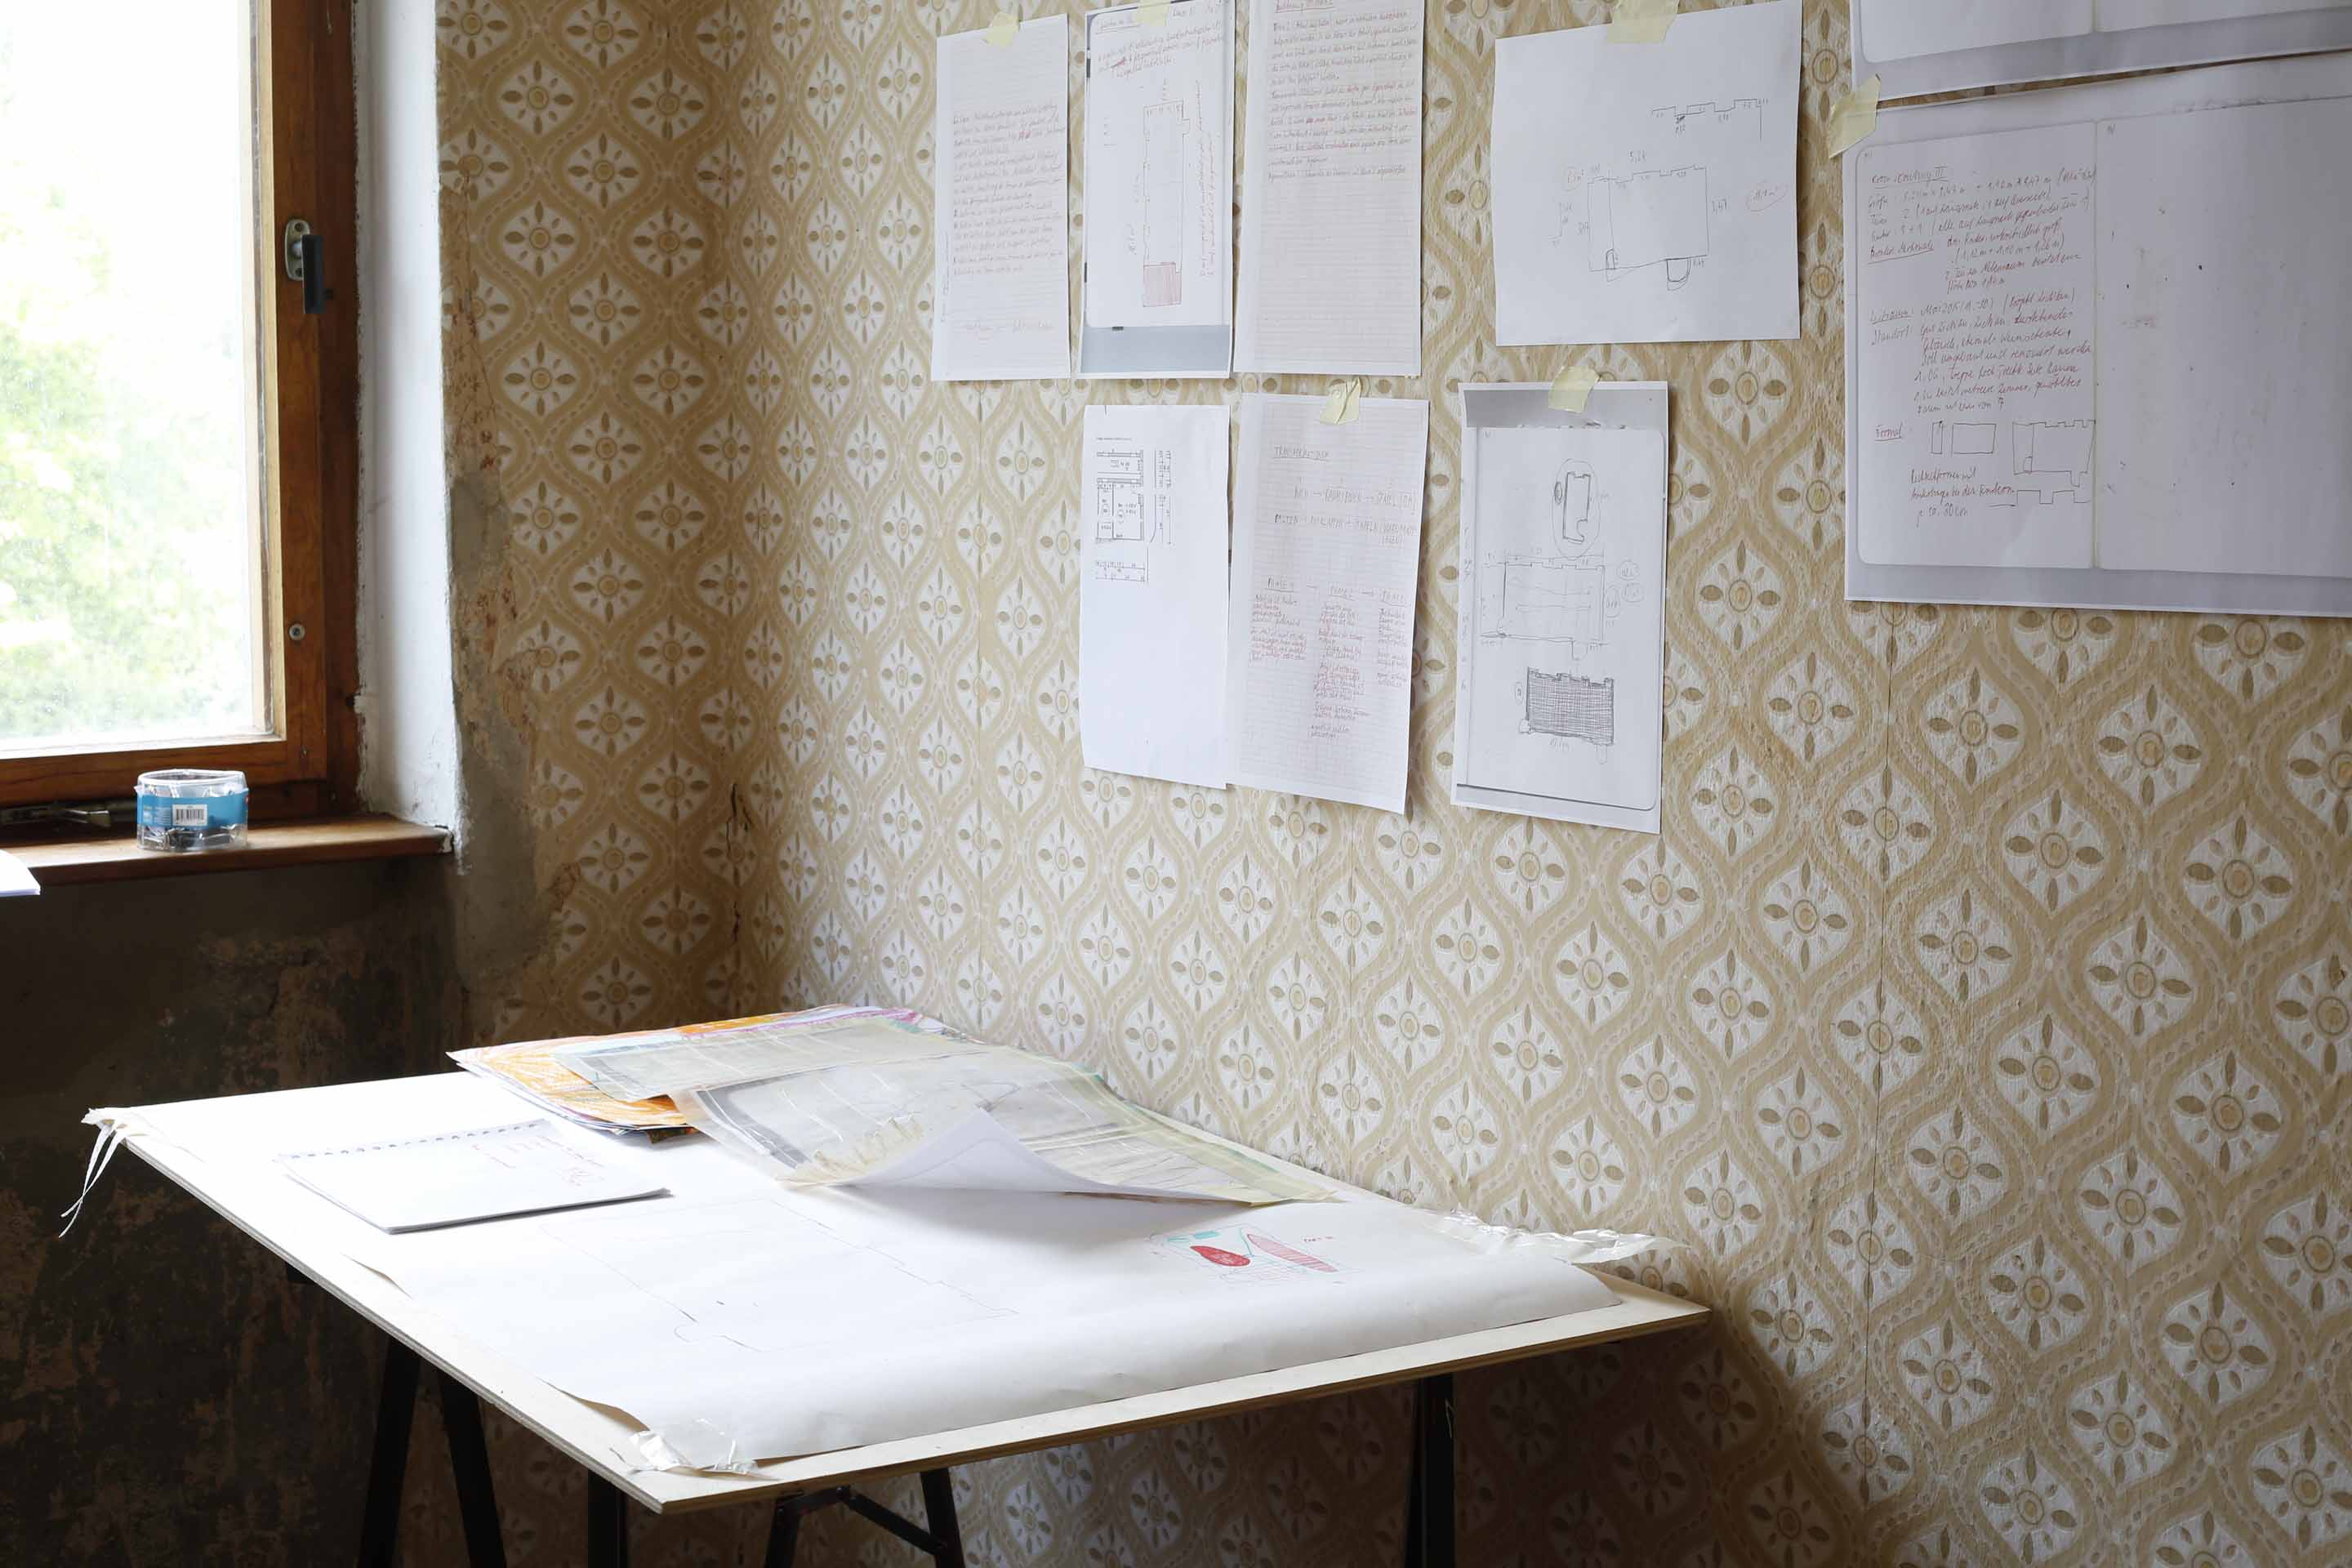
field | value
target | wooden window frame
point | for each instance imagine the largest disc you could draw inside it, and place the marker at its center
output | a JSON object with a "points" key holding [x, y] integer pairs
{"points": [[308, 153]]}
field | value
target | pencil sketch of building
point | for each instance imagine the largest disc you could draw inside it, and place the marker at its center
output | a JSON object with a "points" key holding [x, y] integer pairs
{"points": [[1167, 133], [1653, 219]]}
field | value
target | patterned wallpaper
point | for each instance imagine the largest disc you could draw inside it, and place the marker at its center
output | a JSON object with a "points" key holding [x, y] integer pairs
{"points": [[1978, 1020]]}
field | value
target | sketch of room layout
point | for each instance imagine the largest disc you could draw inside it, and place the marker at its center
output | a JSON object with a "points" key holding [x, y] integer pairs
{"points": [[2052, 459], [1651, 218], [1564, 598], [1159, 245], [2047, 459], [1134, 509], [1570, 708]]}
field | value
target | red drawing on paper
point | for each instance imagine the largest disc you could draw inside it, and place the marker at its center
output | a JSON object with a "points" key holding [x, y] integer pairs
{"points": [[1220, 1257]]}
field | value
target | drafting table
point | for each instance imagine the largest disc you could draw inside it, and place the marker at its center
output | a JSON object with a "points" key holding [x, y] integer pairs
{"points": [[238, 1181]]}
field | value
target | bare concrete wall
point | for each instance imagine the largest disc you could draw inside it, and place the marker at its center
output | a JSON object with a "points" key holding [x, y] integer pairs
{"points": [[167, 1394]]}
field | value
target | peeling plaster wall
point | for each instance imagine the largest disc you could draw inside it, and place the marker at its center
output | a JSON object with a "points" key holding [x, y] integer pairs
{"points": [[167, 1394]]}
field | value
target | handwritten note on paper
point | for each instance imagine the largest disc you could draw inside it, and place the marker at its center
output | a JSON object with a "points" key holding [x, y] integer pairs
{"points": [[1152, 591], [1648, 194], [1326, 548], [1330, 277], [1000, 208], [1159, 163], [1976, 377]]}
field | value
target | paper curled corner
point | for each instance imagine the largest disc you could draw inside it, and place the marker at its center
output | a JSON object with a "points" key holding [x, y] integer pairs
{"points": [[1339, 406], [1579, 1247], [1001, 31], [1854, 116], [1641, 21], [1152, 13], [1574, 387]]}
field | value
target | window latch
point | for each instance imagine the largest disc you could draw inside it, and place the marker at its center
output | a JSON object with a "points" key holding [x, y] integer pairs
{"points": [[306, 264]]}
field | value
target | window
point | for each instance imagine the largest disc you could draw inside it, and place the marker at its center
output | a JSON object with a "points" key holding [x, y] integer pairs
{"points": [[178, 436]]}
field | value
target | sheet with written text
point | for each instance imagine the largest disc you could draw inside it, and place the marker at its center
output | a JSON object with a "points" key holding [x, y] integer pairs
{"points": [[1330, 277], [1000, 216], [2096, 356], [1327, 551], [1152, 591], [1646, 193]]}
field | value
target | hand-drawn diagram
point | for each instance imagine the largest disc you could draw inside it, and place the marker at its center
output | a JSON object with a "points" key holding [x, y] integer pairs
{"points": [[1569, 594], [1159, 247], [2055, 457], [1570, 706], [1655, 217], [1743, 114], [1134, 509]]}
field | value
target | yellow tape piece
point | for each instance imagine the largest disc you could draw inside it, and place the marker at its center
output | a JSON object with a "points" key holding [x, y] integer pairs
{"points": [[1575, 385], [1854, 116], [1339, 406], [1000, 32], [1641, 21], [1152, 13]]}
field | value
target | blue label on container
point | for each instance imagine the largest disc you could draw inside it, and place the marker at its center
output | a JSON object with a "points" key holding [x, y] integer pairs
{"points": [[167, 811]]}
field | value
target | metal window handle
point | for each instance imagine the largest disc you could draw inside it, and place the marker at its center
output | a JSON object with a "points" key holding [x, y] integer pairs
{"points": [[306, 264]]}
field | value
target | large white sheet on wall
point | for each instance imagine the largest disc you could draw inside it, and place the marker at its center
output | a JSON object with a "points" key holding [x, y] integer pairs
{"points": [[1157, 296], [1152, 591], [1331, 275], [1327, 552], [1916, 47], [1646, 193], [1000, 215], [2096, 348], [1560, 662]]}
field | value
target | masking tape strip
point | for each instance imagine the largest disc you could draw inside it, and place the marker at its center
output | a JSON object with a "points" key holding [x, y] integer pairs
{"points": [[1641, 21], [1573, 387], [1001, 31], [1854, 116], [1152, 13], [1340, 406]]}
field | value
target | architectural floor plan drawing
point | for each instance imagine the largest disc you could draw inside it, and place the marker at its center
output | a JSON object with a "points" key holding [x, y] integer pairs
{"points": [[1159, 195], [1151, 591], [2052, 459], [1168, 134], [1649, 195], [1560, 660], [1647, 219]]}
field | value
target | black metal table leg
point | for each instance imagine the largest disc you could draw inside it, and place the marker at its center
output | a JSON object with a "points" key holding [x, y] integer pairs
{"points": [[784, 1534], [1429, 1478], [469, 1457], [940, 1513], [608, 1524], [395, 1409]]}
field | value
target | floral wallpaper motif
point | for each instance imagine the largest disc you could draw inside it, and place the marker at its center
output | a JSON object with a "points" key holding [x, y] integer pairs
{"points": [[1979, 1021]]}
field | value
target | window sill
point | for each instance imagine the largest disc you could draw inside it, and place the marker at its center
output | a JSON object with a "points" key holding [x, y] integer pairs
{"points": [[117, 857]]}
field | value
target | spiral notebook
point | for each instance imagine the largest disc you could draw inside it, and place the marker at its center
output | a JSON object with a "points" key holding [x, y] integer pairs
{"points": [[457, 1178]]}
